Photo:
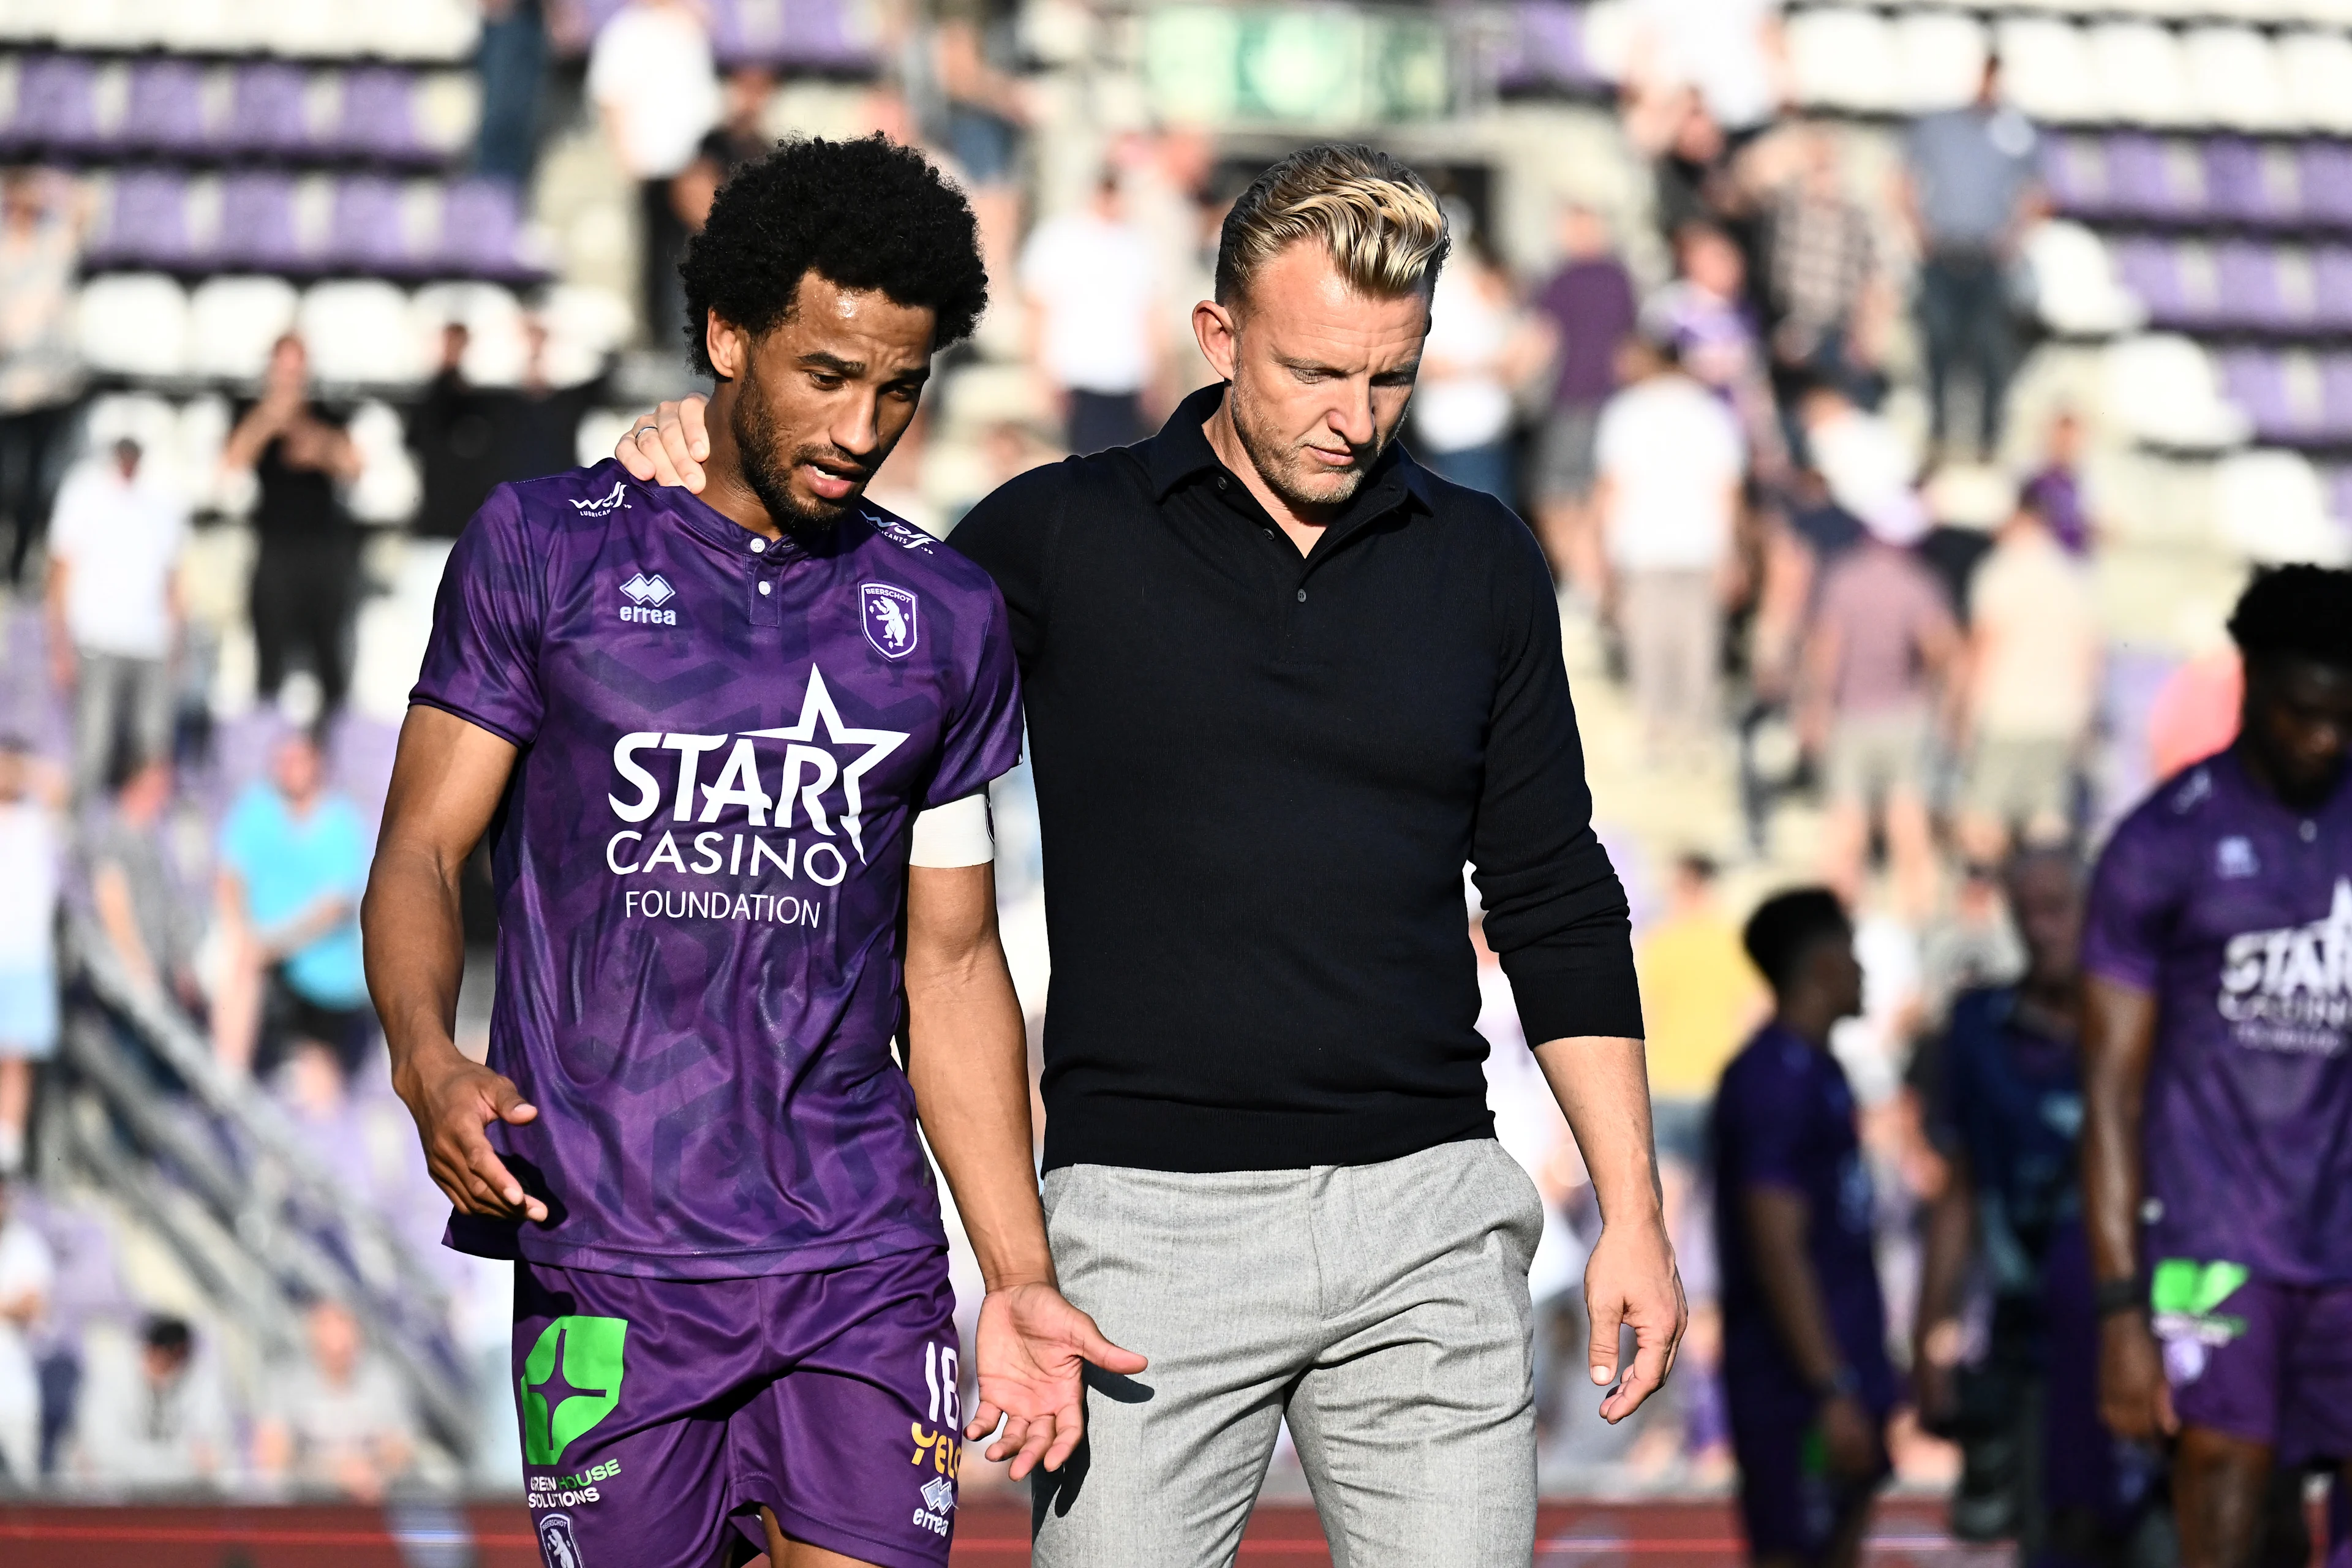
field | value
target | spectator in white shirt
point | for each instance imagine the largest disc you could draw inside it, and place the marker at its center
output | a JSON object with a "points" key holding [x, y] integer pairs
{"points": [[1092, 280], [29, 865], [154, 1420], [27, 1274], [114, 612], [1670, 460], [341, 1422], [656, 87]]}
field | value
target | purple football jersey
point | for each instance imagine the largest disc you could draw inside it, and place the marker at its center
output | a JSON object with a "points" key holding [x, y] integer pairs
{"points": [[2236, 912], [701, 862]]}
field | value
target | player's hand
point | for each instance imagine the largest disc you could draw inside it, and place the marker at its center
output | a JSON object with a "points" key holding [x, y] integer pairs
{"points": [[668, 445], [453, 1099], [1850, 1437], [2135, 1397], [1631, 1280], [1032, 1347]]}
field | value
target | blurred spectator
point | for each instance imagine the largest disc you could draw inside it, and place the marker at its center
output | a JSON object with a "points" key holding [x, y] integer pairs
{"points": [[1971, 945], [306, 572], [114, 612], [30, 848], [1882, 637], [1696, 177], [2055, 491], [1092, 283], [542, 435], [455, 430], [2030, 688], [141, 902], [1805, 1368], [1704, 312], [1700, 999], [339, 1421], [27, 1275], [741, 137], [2195, 712], [976, 111], [1728, 52], [1480, 347], [511, 62], [1828, 294], [293, 862], [155, 1421], [1969, 191], [40, 369], [654, 86], [1589, 303], [1670, 458]]}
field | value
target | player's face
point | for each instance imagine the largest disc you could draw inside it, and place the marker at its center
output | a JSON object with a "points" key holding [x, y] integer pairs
{"points": [[822, 397], [1321, 373], [2299, 722], [1839, 973]]}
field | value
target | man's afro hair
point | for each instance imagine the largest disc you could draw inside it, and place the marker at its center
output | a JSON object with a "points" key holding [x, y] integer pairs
{"points": [[2301, 611], [867, 213]]}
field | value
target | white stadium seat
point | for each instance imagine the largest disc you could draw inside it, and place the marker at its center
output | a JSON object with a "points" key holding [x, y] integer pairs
{"points": [[233, 321], [2076, 290], [2236, 80], [422, 30], [2046, 70], [584, 325], [2141, 78], [388, 488], [360, 330], [133, 323], [495, 349], [1941, 57], [2271, 508], [1844, 59], [2317, 72], [2161, 389]]}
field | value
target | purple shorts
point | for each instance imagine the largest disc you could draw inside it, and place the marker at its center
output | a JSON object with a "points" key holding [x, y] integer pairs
{"points": [[2268, 1363], [1790, 1503], [658, 1415]]}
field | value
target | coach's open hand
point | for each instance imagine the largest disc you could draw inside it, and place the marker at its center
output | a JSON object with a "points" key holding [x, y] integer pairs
{"points": [[1033, 1346]]}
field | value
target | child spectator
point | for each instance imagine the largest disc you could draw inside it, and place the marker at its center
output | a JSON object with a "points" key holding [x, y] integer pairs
{"points": [[1805, 1370]]}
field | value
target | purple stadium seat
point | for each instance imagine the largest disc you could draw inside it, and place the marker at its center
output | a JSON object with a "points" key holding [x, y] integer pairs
{"points": [[256, 228], [2149, 270], [2331, 285], [1544, 48], [366, 234], [2247, 291], [269, 109], [2256, 379], [378, 118], [165, 109], [479, 228], [2142, 181], [2075, 170], [2237, 185], [2324, 168], [146, 221], [57, 103], [2336, 396]]}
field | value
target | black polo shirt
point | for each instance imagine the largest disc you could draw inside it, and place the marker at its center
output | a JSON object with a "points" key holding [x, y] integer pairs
{"points": [[1259, 776]]}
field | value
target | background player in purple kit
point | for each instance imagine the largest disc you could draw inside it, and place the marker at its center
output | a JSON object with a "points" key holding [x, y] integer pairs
{"points": [[2218, 1135], [732, 753], [1805, 1372]]}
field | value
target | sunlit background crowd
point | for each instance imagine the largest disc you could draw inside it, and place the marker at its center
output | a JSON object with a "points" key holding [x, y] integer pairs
{"points": [[1900, 391]]}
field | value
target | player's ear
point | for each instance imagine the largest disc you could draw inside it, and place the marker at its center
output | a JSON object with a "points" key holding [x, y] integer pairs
{"points": [[729, 345]]}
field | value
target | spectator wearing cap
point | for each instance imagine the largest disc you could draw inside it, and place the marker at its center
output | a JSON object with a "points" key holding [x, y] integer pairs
{"points": [[114, 612], [2030, 690], [1882, 641], [1970, 186], [1670, 458], [154, 1419]]}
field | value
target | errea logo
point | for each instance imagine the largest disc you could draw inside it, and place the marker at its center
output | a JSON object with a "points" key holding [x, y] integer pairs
{"points": [[647, 595]]}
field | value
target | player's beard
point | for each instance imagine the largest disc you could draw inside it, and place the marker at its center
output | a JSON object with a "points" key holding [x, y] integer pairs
{"points": [[1287, 470], [769, 471]]}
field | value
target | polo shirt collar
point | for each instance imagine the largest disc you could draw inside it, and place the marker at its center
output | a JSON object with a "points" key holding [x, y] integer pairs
{"points": [[1182, 451]]}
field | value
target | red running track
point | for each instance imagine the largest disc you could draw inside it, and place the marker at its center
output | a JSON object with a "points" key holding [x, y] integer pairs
{"points": [[1703, 1534]]}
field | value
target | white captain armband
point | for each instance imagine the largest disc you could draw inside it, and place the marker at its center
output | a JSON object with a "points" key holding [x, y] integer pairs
{"points": [[957, 834]]}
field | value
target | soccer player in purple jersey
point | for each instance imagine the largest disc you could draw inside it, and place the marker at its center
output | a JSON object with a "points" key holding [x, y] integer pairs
{"points": [[732, 753], [2217, 1085]]}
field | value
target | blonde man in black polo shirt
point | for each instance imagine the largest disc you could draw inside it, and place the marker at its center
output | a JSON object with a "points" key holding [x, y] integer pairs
{"points": [[1282, 683]]}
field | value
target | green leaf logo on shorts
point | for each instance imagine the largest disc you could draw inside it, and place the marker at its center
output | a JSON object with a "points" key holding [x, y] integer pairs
{"points": [[571, 1380], [2184, 1293]]}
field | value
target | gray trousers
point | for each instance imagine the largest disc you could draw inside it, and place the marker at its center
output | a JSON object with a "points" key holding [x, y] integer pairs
{"points": [[1382, 1308], [118, 698]]}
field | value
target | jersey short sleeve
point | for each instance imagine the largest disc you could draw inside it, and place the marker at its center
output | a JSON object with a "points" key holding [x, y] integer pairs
{"points": [[2134, 899], [983, 739], [482, 663]]}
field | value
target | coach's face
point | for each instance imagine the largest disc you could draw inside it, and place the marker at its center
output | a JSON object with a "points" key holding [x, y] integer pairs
{"points": [[815, 404], [1320, 371]]}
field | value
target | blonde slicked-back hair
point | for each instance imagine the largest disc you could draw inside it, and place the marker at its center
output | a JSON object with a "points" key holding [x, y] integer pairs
{"points": [[1378, 220]]}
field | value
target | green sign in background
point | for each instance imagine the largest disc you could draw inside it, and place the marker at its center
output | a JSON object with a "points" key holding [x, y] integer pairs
{"points": [[1321, 67]]}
